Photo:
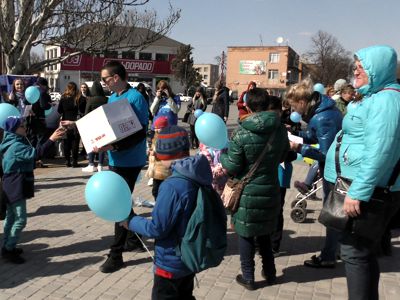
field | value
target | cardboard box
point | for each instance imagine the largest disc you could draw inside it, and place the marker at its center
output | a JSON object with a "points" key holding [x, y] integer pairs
{"points": [[107, 124]]}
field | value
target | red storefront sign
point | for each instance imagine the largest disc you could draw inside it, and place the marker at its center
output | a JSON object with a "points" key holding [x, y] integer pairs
{"points": [[83, 62]]}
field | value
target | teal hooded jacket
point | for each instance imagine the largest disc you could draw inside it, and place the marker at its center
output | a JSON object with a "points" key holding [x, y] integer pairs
{"points": [[371, 141]]}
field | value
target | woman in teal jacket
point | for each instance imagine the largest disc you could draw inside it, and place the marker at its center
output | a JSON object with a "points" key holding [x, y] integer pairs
{"points": [[368, 153], [257, 216]]}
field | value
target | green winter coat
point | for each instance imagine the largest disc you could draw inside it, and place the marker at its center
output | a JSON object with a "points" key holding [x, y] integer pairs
{"points": [[260, 202]]}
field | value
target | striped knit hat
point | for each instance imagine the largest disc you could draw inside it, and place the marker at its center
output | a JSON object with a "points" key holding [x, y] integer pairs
{"points": [[172, 143]]}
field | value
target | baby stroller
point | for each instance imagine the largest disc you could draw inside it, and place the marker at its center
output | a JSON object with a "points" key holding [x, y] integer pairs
{"points": [[299, 205]]}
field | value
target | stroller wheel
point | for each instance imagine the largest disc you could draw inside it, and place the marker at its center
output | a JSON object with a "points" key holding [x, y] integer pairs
{"points": [[298, 214], [302, 204]]}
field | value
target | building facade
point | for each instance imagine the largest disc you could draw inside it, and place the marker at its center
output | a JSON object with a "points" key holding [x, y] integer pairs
{"points": [[149, 65], [209, 72], [271, 67]]}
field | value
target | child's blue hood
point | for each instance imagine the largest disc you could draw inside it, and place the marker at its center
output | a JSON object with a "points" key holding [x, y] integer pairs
{"points": [[195, 167], [380, 64], [9, 139]]}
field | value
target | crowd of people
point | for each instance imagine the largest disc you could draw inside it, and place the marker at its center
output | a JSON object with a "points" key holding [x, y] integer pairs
{"points": [[362, 118]]}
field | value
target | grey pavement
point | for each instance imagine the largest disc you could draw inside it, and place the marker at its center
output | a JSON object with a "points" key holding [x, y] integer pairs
{"points": [[65, 243]]}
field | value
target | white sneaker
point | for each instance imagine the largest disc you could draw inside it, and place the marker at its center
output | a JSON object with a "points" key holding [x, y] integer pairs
{"points": [[150, 182], [100, 168], [89, 169]]}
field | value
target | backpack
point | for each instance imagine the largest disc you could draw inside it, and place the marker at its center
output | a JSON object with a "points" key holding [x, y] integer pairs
{"points": [[204, 243]]}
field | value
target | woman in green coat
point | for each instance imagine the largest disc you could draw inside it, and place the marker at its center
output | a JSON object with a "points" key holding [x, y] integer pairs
{"points": [[258, 211]]}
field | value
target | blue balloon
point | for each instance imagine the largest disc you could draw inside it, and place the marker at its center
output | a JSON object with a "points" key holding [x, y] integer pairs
{"points": [[319, 87], [295, 117], [211, 131], [245, 98], [48, 111], [198, 113], [7, 110], [32, 94], [108, 195]]}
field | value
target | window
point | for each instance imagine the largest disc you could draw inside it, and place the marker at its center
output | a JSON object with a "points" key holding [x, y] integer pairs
{"points": [[128, 54], [205, 69], [273, 74], [144, 56], [161, 57], [274, 58], [205, 76], [111, 54]]}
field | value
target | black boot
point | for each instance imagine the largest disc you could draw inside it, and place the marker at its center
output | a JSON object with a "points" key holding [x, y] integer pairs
{"points": [[248, 284], [112, 264], [13, 256]]}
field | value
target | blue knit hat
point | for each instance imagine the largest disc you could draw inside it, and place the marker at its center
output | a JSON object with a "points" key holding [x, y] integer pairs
{"points": [[11, 124], [172, 143]]}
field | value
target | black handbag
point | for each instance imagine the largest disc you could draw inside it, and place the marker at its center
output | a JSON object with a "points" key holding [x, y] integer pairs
{"points": [[186, 116], [332, 214], [372, 221]]}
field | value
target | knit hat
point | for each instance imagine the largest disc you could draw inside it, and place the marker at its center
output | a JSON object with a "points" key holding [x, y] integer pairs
{"points": [[42, 81], [161, 122], [172, 143], [11, 124], [339, 84]]}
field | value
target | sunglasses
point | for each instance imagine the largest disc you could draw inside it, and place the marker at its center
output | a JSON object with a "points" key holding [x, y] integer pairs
{"points": [[104, 79]]}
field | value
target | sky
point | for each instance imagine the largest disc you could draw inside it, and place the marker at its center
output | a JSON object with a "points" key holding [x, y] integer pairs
{"points": [[210, 26]]}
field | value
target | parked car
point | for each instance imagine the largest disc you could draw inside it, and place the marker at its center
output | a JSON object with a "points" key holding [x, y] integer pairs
{"points": [[55, 96], [184, 98]]}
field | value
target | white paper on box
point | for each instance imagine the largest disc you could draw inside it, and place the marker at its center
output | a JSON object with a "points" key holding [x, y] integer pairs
{"points": [[295, 139], [107, 124]]}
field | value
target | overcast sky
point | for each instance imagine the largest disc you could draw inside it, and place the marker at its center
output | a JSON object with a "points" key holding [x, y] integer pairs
{"points": [[210, 26]]}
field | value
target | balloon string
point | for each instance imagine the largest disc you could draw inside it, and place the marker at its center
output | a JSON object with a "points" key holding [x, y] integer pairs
{"points": [[144, 245]]}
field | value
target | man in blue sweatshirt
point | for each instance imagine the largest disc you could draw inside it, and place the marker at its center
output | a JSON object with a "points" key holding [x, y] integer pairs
{"points": [[126, 157]]}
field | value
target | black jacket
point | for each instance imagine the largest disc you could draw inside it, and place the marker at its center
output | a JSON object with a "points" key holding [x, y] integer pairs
{"points": [[221, 104]]}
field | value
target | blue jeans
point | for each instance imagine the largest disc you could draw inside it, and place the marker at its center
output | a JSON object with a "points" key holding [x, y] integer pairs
{"points": [[14, 223], [362, 268], [312, 174], [247, 251], [332, 236], [101, 158]]}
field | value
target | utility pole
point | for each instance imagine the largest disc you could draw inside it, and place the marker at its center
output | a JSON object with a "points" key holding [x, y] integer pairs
{"points": [[223, 67]]}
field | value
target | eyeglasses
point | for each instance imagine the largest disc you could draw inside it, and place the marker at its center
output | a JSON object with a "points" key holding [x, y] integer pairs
{"points": [[358, 68], [104, 79]]}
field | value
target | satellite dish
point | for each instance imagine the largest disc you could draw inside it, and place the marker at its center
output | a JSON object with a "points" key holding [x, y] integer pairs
{"points": [[279, 40]]}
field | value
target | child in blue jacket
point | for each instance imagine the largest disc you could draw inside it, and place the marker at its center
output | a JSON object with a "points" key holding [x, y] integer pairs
{"points": [[18, 181], [175, 202]]}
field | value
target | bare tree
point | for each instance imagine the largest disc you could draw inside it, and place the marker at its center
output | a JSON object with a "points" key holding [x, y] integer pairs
{"points": [[82, 26], [330, 60]]}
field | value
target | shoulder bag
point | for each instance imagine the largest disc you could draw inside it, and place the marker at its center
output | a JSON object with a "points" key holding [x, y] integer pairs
{"points": [[372, 221], [234, 188]]}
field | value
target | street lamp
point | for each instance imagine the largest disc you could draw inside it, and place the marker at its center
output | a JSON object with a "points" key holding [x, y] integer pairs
{"points": [[184, 61]]}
